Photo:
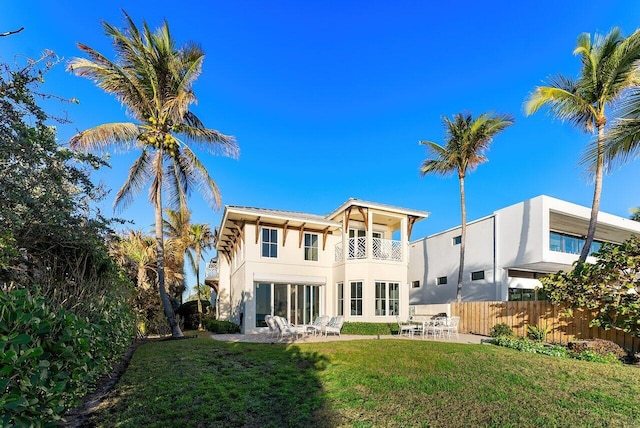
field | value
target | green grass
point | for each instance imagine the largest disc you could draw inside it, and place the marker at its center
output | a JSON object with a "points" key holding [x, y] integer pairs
{"points": [[365, 383]]}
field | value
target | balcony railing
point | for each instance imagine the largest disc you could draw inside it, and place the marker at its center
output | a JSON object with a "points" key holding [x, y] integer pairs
{"points": [[212, 269], [382, 249]]}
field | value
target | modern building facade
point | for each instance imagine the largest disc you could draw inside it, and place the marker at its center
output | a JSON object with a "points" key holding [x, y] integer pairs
{"points": [[353, 262], [508, 251]]}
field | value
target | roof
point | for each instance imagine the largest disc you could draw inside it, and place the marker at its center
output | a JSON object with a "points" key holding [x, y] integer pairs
{"points": [[375, 205]]}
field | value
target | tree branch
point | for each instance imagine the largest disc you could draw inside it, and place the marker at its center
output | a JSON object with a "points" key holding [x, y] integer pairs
{"points": [[8, 33]]}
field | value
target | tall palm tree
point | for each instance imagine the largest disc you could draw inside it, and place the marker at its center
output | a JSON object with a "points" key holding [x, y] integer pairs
{"points": [[202, 239], [466, 141], [608, 71], [153, 79]]}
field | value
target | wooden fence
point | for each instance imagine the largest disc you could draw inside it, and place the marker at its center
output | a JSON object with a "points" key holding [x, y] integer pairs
{"points": [[480, 317]]}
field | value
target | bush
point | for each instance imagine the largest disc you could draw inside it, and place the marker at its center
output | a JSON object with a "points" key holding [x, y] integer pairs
{"points": [[221, 327], [369, 328], [600, 347], [589, 355], [501, 329], [538, 333], [50, 357], [525, 345], [189, 312]]}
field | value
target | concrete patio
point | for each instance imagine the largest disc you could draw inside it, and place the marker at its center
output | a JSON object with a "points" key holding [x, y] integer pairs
{"points": [[265, 338]]}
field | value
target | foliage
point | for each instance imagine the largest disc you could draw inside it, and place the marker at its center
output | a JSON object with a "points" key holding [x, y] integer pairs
{"points": [[609, 71], [599, 346], [635, 214], [595, 357], [611, 286], [525, 345], [364, 383], [369, 328], [50, 357], [220, 327], [501, 329], [189, 311], [153, 79], [538, 333]]}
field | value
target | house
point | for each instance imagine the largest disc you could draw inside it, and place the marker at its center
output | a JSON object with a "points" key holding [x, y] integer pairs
{"points": [[353, 262], [508, 251]]}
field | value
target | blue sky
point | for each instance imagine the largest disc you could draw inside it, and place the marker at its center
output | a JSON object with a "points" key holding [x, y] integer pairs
{"points": [[328, 100]]}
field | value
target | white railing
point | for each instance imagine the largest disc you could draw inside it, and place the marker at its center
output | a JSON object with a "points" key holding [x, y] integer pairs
{"points": [[338, 252], [387, 249], [358, 248], [382, 249], [212, 269]]}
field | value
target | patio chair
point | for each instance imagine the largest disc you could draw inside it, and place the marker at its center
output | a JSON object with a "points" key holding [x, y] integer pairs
{"points": [[334, 327], [273, 328], [316, 326], [405, 327], [451, 327], [435, 327], [284, 328]]}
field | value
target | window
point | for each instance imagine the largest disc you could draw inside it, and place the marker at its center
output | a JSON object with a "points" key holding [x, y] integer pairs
{"points": [[387, 298], [415, 284], [269, 242], [478, 275], [442, 280], [356, 298], [381, 298], [457, 240], [564, 243], [340, 310], [263, 303], [526, 294], [311, 247]]}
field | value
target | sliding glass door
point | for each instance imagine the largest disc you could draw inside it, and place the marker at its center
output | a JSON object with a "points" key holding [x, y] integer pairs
{"points": [[298, 303]]}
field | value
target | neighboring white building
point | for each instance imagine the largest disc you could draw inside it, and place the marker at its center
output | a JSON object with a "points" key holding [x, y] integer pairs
{"points": [[352, 262], [507, 251]]}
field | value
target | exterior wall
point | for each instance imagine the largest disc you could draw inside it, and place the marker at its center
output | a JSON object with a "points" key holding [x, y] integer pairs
{"points": [[436, 256]]}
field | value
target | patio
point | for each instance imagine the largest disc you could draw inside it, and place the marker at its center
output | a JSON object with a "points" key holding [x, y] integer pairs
{"points": [[265, 338]]}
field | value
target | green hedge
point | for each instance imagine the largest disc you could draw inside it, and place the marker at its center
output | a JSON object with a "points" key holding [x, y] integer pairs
{"points": [[221, 327], [369, 328], [50, 358]]}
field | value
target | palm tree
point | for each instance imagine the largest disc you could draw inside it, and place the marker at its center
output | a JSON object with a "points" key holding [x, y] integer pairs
{"points": [[153, 79], [177, 228], [467, 140], [202, 239], [608, 71]]}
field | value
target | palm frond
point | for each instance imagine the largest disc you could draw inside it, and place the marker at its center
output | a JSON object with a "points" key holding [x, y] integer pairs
{"points": [[119, 135], [201, 178], [139, 175]]}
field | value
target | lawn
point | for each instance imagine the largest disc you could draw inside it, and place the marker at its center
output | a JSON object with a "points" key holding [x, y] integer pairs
{"points": [[204, 383]]}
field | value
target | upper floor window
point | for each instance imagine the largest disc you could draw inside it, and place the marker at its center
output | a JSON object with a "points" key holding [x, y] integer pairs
{"points": [[477, 276], [570, 244], [311, 247], [457, 240], [269, 242], [442, 280], [415, 284]]}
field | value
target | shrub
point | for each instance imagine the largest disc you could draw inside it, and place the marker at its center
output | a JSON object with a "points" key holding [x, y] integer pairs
{"points": [[189, 312], [50, 357], [600, 347], [501, 329], [221, 327], [538, 333], [589, 355], [369, 328], [525, 345]]}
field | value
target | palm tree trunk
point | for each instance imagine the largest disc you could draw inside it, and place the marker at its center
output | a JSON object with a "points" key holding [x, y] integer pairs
{"points": [[198, 288], [166, 302], [463, 238], [597, 191]]}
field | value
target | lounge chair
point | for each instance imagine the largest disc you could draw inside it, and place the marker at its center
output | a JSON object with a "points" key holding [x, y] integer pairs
{"points": [[333, 326], [284, 328], [316, 326], [273, 328]]}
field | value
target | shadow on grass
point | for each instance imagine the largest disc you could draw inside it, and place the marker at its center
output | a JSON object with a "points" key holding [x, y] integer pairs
{"points": [[202, 383]]}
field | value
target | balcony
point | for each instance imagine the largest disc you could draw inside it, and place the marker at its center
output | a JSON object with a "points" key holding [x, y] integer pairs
{"points": [[382, 249], [212, 270]]}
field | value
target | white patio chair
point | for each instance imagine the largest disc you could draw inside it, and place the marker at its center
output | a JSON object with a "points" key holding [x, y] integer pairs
{"points": [[451, 327], [405, 327], [273, 328], [284, 329], [435, 327], [316, 326], [334, 327]]}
